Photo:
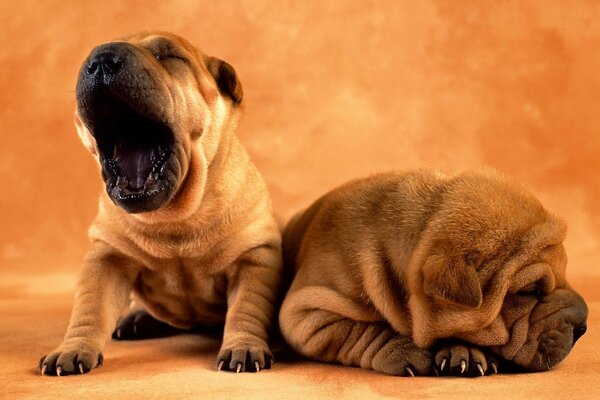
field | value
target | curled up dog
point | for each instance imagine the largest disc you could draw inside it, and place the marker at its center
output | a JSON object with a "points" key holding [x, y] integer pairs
{"points": [[416, 273]]}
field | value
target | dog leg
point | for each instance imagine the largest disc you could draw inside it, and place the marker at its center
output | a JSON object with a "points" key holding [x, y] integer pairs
{"points": [[251, 310], [329, 336], [138, 324], [464, 359], [102, 293]]}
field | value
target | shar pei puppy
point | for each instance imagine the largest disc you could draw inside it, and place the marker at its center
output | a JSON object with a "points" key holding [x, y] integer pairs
{"points": [[185, 224], [418, 273]]}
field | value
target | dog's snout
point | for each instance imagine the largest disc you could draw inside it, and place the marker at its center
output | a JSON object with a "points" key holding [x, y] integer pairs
{"points": [[578, 332], [107, 59], [106, 63], [579, 317]]}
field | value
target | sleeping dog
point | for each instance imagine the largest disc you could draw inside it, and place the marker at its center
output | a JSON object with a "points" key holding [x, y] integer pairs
{"points": [[413, 273]]}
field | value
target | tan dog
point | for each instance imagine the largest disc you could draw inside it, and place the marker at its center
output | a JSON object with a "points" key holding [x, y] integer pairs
{"points": [[186, 220], [393, 268]]}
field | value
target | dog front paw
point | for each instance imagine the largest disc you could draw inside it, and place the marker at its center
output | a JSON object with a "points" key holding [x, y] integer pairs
{"points": [[401, 357], [71, 358], [139, 324], [463, 359], [244, 358]]}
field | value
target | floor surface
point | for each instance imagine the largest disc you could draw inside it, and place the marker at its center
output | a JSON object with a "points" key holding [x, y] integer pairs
{"points": [[34, 318]]}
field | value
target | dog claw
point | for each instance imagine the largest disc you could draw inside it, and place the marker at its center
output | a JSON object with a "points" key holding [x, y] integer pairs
{"points": [[480, 368], [220, 366], [44, 368], [494, 367], [257, 366], [443, 364], [239, 368], [80, 365], [135, 329], [58, 371], [410, 371], [463, 366], [119, 333]]}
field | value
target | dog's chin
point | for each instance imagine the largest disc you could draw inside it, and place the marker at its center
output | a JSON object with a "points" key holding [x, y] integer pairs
{"points": [[552, 349], [549, 349], [138, 155]]}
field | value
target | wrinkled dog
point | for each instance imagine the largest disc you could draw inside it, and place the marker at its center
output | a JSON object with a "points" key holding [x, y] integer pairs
{"points": [[185, 222], [413, 273]]}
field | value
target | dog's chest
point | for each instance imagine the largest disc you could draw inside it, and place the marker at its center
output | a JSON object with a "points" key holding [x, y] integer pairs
{"points": [[183, 293]]}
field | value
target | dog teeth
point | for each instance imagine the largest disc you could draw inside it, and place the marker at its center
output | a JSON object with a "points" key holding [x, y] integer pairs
{"points": [[122, 182], [151, 180], [112, 166]]}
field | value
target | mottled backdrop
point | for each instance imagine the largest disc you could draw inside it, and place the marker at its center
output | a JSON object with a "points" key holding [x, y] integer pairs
{"points": [[334, 90]]}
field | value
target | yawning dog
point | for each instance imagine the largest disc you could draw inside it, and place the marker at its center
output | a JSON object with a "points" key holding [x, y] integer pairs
{"points": [[185, 222]]}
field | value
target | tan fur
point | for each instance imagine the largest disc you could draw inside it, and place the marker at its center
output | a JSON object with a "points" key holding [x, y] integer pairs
{"points": [[211, 256], [389, 268]]}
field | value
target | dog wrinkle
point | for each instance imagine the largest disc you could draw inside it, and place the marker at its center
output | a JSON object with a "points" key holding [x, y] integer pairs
{"points": [[518, 337]]}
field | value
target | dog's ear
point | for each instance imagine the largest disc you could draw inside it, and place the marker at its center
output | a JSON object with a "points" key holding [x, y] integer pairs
{"points": [[452, 278], [226, 78]]}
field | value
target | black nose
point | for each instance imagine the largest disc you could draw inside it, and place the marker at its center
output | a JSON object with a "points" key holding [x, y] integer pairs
{"points": [[578, 332], [106, 63]]}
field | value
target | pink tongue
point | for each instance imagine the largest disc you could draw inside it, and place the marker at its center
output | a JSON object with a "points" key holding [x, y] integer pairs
{"points": [[135, 162]]}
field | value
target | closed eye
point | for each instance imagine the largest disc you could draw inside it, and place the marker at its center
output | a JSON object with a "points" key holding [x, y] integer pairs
{"points": [[534, 290], [167, 56]]}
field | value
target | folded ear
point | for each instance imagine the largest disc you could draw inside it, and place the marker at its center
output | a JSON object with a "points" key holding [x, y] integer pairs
{"points": [[226, 78], [452, 279]]}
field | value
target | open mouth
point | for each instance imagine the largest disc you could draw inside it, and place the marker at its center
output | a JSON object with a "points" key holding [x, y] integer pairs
{"points": [[135, 153]]}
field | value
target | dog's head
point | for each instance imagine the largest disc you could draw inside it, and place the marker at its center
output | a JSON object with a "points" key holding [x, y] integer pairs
{"points": [[152, 109], [490, 270]]}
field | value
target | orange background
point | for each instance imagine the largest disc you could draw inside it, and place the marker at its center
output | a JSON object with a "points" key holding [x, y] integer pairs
{"points": [[333, 91]]}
